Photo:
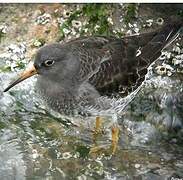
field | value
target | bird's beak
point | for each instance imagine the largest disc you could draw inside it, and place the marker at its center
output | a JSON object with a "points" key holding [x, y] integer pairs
{"points": [[30, 71]]}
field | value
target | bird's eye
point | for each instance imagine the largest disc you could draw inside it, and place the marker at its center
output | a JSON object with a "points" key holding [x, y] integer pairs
{"points": [[49, 62]]}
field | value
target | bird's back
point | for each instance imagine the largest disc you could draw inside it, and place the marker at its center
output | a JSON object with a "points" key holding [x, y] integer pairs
{"points": [[119, 66]]}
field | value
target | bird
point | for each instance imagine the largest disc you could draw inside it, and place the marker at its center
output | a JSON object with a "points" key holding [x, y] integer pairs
{"points": [[93, 71]]}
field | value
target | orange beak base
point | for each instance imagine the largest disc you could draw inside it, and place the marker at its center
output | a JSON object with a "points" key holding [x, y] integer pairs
{"points": [[30, 71]]}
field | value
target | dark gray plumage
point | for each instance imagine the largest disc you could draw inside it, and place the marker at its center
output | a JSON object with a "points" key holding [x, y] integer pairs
{"points": [[75, 74]]}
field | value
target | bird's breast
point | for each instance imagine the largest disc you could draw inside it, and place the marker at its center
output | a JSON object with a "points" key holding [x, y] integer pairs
{"points": [[55, 96]]}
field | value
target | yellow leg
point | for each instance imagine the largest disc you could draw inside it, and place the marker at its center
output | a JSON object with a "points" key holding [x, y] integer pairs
{"points": [[115, 138], [98, 130], [98, 126]]}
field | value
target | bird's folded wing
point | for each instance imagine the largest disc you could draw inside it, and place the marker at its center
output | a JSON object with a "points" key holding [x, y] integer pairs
{"points": [[120, 65]]}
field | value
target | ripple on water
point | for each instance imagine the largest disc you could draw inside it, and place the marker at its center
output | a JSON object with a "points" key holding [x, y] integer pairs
{"points": [[12, 163]]}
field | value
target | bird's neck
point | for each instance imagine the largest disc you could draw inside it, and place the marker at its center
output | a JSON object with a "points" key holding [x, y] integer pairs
{"points": [[54, 92], [57, 85]]}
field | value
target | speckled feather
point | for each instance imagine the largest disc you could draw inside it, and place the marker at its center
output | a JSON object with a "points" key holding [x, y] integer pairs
{"points": [[113, 65], [92, 71]]}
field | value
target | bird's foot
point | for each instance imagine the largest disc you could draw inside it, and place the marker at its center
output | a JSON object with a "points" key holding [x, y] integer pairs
{"points": [[99, 130], [96, 150]]}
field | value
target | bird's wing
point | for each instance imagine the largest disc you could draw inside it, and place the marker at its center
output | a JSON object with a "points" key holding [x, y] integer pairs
{"points": [[119, 73], [120, 65], [106, 62], [91, 53]]}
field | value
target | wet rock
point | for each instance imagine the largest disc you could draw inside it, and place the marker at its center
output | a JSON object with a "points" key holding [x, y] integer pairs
{"points": [[3, 28], [43, 19]]}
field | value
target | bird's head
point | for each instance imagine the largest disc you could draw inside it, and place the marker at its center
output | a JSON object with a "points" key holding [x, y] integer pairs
{"points": [[53, 62]]}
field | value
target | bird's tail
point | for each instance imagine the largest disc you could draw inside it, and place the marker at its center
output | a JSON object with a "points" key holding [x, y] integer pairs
{"points": [[171, 31], [161, 39], [151, 44]]}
